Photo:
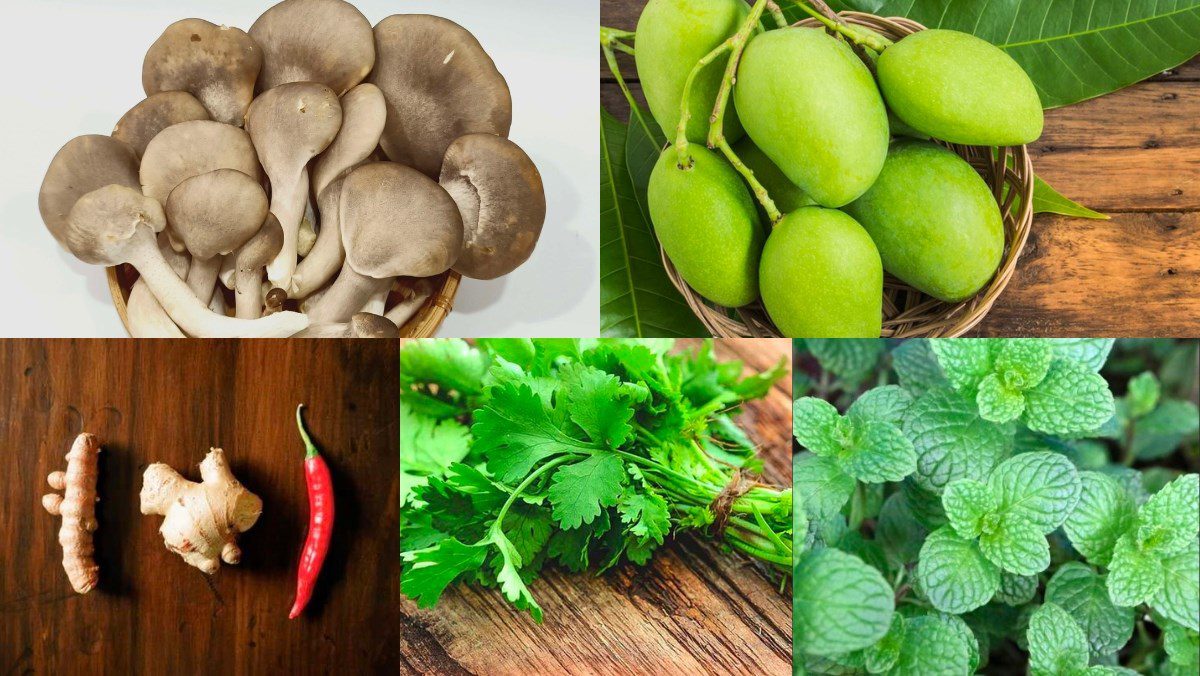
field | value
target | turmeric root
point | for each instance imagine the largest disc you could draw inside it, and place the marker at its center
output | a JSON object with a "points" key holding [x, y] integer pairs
{"points": [[77, 506], [202, 520]]}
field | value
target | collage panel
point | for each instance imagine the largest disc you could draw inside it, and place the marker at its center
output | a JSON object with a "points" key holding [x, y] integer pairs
{"points": [[996, 506], [595, 506], [188, 521]]}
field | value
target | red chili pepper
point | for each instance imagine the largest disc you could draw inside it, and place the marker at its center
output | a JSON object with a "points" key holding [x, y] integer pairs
{"points": [[320, 520]]}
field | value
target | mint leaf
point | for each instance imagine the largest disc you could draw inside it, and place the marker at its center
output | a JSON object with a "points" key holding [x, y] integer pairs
{"points": [[1072, 400], [1179, 596], [1014, 544], [937, 644], [968, 503], [1170, 519], [820, 485], [816, 425], [1162, 430], [1091, 352], [1022, 363], [1016, 590], [1057, 645], [951, 440], [954, 574], [887, 403], [1134, 575], [579, 491], [1142, 394], [851, 359], [880, 453], [997, 402], [899, 531], [965, 362], [840, 604], [1084, 595], [1040, 487], [917, 366], [1105, 512], [883, 655]]}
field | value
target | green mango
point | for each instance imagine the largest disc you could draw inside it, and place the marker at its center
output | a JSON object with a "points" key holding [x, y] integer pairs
{"points": [[787, 196], [813, 108], [705, 218], [936, 224], [821, 276], [956, 87], [672, 37]]}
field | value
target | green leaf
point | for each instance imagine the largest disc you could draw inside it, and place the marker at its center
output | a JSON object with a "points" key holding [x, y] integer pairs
{"points": [[997, 402], [636, 297], [967, 503], [1016, 590], [1014, 544], [449, 362], [514, 432], [951, 440], [880, 453], [965, 362], [1179, 596], [899, 531], [509, 576], [820, 485], [1071, 50], [1170, 520], [1164, 429], [1040, 487], [647, 515], [1047, 200], [1072, 400], [1092, 352], [1057, 644], [954, 574], [429, 571], [885, 404], [595, 403], [643, 144], [1142, 394], [816, 424], [1134, 576], [917, 367], [1105, 512], [850, 359], [427, 448], [579, 491], [839, 603], [882, 656], [937, 644], [1083, 593]]}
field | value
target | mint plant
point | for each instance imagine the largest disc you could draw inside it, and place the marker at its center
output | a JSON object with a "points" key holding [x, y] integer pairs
{"points": [[970, 504], [518, 454]]}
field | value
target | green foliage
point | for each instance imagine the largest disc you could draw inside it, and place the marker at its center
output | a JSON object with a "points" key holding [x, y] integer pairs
{"points": [[578, 453], [976, 501]]}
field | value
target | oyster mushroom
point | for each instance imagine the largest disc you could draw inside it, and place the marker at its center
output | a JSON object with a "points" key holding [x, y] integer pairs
{"points": [[363, 115], [213, 214], [84, 164], [290, 125], [325, 41], [217, 64], [146, 317], [499, 194], [395, 222], [189, 149], [325, 259], [414, 297], [439, 84], [154, 114], [361, 325], [249, 263], [117, 224]]}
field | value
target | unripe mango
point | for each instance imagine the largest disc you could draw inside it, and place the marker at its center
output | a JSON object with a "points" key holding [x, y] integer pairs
{"points": [[705, 219], [786, 195], [821, 276], [672, 36], [812, 106], [934, 220], [956, 87]]}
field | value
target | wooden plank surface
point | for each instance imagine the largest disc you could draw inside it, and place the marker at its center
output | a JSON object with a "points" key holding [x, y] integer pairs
{"points": [[1133, 154], [170, 401], [693, 609]]}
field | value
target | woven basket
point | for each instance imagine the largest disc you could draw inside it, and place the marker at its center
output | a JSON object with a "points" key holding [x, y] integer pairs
{"points": [[423, 324], [907, 312]]}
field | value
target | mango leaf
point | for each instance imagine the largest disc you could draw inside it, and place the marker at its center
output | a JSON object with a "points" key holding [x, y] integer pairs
{"points": [[636, 297], [643, 144], [1072, 49], [1047, 200]]}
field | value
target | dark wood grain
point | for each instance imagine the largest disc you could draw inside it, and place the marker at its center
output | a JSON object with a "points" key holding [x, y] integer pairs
{"points": [[1133, 154], [170, 401], [693, 609]]}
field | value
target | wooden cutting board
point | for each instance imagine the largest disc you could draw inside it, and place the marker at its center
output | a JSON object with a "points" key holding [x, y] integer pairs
{"points": [[693, 609], [170, 401]]}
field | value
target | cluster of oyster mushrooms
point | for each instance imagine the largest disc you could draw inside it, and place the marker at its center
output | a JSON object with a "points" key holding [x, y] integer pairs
{"points": [[314, 162]]}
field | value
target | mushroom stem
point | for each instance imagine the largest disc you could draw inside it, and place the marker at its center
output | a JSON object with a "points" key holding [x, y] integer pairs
{"points": [[323, 262], [378, 301], [248, 293], [147, 319], [202, 276], [347, 295], [189, 312], [403, 311], [288, 202]]}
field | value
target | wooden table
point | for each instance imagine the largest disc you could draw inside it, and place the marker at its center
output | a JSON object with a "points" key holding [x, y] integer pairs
{"points": [[170, 401], [692, 610], [1134, 155]]}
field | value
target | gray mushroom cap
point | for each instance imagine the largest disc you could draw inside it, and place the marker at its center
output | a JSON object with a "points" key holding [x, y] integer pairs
{"points": [[217, 64], [397, 222], [367, 325], [84, 164], [439, 84], [154, 114], [103, 223], [293, 123], [216, 212], [189, 149], [500, 196], [262, 247], [326, 41]]}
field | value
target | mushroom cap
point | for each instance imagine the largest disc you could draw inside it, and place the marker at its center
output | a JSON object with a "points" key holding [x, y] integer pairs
{"points": [[293, 123], [216, 64], [326, 41], [262, 247], [368, 325], [364, 112], [499, 194], [154, 114], [189, 149], [439, 84], [103, 222], [216, 212], [84, 164], [397, 222]]}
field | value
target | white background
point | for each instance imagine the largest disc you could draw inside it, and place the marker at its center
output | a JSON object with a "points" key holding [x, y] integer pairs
{"points": [[74, 68]]}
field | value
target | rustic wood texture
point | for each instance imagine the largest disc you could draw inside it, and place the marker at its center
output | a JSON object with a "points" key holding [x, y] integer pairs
{"points": [[1134, 155], [170, 401], [693, 609]]}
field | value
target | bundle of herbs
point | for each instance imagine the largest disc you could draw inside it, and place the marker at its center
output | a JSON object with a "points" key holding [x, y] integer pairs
{"points": [[519, 453]]}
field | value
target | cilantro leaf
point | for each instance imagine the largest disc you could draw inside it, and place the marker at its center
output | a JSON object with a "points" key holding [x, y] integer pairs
{"points": [[580, 490], [514, 432], [595, 402], [429, 571]]}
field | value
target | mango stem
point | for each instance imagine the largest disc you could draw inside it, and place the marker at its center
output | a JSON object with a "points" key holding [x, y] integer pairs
{"points": [[820, 11], [685, 113]]}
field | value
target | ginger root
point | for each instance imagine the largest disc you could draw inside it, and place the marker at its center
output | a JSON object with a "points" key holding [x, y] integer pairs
{"points": [[77, 506], [202, 520]]}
